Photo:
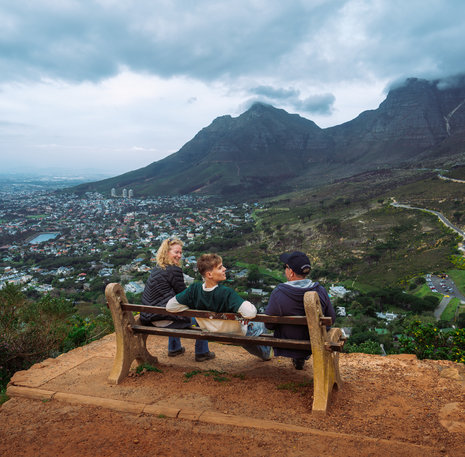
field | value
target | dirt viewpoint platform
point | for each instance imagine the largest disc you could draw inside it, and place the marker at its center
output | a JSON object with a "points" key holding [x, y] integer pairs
{"points": [[395, 405]]}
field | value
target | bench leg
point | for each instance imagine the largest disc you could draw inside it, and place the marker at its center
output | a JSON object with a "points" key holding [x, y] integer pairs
{"points": [[325, 363], [129, 346]]}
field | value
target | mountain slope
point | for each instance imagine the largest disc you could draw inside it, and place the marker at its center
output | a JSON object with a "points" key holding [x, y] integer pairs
{"points": [[266, 150], [414, 118], [261, 149]]}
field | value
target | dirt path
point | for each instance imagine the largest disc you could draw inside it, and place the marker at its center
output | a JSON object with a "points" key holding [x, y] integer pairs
{"points": [[237, 405]]}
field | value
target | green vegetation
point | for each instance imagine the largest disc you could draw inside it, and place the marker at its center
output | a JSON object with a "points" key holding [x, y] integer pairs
{"points": [[449, 313], [354, 237], [366, 347], [144, 367], [456, 172], [427, 341], [3, 396], [276, 275], [217, 376], [425, 291], [352, 234], [33, 330]]}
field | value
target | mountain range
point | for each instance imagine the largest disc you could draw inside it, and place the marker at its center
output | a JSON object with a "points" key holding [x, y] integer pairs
{"points": [[267, 151]]}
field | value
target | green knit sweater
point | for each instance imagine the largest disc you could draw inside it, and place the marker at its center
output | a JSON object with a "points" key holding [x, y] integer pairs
{"points": [[221, 299]]}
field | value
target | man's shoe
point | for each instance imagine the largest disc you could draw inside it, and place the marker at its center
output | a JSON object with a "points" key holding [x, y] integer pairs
{"points": [[176, 353], [298, 363], [204, 357]]}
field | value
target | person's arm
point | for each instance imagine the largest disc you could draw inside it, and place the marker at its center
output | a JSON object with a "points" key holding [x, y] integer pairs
{"points": [[173, 306], [247, 310]]}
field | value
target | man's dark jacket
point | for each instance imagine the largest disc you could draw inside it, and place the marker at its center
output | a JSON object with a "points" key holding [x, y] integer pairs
{"points": [[288, 300], [160, 287]]}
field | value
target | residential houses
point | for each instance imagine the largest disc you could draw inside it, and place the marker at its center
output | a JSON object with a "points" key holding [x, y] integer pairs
{"points": [[94, 227]]}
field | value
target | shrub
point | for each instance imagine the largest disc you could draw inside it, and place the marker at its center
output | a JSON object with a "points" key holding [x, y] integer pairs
{"points": [[366, 347], [34, 330], [31, 331], [427, 341]]}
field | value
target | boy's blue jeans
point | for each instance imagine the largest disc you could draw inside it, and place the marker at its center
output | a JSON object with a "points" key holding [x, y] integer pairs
{"points": [[174, 342], [256, 329]]}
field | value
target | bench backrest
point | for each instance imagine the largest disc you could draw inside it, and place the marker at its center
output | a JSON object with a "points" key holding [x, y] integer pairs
{"points": [[294, 320]]}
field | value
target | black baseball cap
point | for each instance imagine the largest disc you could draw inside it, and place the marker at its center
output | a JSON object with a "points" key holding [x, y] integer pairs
{"points": [[297, 261]]}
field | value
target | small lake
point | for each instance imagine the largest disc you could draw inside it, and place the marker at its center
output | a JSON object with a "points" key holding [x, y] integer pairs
{"points": [[44, 237]]}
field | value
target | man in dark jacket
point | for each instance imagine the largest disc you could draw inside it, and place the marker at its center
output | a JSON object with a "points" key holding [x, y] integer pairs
{"points": [[287, 299]]}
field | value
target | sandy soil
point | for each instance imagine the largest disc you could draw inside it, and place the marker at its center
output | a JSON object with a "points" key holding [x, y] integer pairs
{"points": [[395, 406]]}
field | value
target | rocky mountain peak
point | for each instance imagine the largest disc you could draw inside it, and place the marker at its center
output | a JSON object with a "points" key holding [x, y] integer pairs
{"points": [[266, 150]]}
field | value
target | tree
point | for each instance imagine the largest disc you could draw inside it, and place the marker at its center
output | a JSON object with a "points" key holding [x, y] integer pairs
{"points": [[253, 276]]}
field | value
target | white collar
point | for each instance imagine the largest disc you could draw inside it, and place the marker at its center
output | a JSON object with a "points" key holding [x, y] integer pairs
{"points": [[208, 289]]}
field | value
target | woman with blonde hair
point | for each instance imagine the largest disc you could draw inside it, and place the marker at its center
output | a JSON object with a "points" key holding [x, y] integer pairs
{"points": [[165, 281]]}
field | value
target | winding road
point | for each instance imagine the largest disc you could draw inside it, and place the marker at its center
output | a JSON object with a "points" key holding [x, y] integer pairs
{"points": [[441, 217], [455, 293]]}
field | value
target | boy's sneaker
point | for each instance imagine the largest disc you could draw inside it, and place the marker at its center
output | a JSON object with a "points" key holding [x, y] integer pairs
{"points": [[266, 357], [204, 357], [178, 352], [298, 363]]}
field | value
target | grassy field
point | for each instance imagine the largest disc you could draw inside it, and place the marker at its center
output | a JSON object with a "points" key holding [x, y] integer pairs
{"points": [[449, 313], [361, 287], [425, 291]]}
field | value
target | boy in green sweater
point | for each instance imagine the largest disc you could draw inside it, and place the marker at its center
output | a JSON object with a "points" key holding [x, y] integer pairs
{"points": [[213, 296]]}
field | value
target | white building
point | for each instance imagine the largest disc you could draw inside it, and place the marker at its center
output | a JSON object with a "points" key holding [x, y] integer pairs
{"points": [[338, 291], [341, 311]]}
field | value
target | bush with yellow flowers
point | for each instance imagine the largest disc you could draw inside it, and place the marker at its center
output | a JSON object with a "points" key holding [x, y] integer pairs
{"points": [[427, 341]]}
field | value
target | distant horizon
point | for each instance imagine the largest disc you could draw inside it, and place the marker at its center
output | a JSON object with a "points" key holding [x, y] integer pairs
{"points": [[59, 172]]}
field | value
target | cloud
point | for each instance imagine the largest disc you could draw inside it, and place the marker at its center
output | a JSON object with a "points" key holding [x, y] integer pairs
{"points": [[321, 104], [275, 93], [452, 82], [314, 104], [91, 40], [105, 75]]}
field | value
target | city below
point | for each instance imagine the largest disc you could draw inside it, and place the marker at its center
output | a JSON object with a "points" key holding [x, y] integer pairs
{"points": [[52, 240]]}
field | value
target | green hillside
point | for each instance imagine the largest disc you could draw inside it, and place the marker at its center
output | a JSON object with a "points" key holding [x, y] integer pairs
{"points": [[350, 230]]}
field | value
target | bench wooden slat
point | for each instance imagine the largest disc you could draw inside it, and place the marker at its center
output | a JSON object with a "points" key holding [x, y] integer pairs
{"points": [[295, 320], [326, 321], [224, 337]]}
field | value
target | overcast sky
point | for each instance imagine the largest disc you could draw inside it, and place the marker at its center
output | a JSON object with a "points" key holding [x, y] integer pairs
{"points": [[118, 84]]}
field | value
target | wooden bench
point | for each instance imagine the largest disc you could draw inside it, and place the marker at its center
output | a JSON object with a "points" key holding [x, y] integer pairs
{"points": [[131, 339]]}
